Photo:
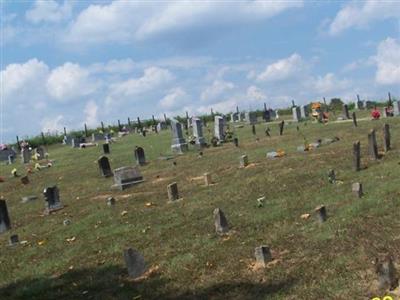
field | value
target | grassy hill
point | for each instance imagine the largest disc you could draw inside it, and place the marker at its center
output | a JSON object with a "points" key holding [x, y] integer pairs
{"points": [[332, 260]]}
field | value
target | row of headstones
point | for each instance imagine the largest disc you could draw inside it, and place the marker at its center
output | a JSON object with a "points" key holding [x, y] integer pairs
{"points": [[104, 163], [26, 155], [251, 117]]}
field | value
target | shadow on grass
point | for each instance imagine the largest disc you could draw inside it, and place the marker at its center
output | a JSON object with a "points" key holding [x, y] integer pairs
{"points": [[112, 283]]}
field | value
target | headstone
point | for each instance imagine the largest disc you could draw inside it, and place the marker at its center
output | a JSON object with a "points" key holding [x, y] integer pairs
{"points": [[14, 240], [97, 137], [244, 161], [110, 201], [198, 132], [25, 155], [303, 112], [242, 116], [372, 145], [139, 156], [369, 104], [262, 255], [253, 129], [345, 113], [331, 176], [41, 151], [236, 141], [5, 155], [172, 190], [207, 179], [296, 114], [267, 116], [52, 199], [357, 156], [396, 108], [66, 222], [219, 128], [356, 189], [5, 223], [104, 166], [11, 159], [134, 262], [235, 117], [354, 117], [251, 117], [386, 137], [161, 126], [281, 127], [75, 142], [178, 144], [125, 177], [220, 222], [321, 213], [106, 148], [387, 274]]}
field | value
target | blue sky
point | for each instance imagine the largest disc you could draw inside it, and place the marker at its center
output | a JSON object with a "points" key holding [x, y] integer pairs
{"points": [[66, 63]]}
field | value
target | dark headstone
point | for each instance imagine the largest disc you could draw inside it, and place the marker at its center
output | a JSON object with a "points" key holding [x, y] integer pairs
{"points": [[14, 240], [110, 201], [139, 156], [134, 262], [331, 176], [357, 156], [281, 126], [346, 114], [52, 198], [104, 166], [321, 213], [5, 223], [253, 129], [354, 119], [386, 137], [173, 191], [372, 145], [220, 222], [236, 142]]}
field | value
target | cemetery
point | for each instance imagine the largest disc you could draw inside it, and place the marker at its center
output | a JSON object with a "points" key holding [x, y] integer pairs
{"points": [[287, 206]]}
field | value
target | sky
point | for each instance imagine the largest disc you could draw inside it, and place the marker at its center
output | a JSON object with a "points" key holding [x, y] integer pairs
{"points": [[67, 63]]}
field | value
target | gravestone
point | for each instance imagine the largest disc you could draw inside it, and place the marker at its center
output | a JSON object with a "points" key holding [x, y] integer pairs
{"points": [[386, 137], [235, 117], [236, 141], [253, 129], [360, 105], [220, 222], [161, 126], [354, 119], [242, 116], [104, 166], [387, 273], [14, 240], [110, 201], [5, 223], [178, 144], [139, 156], [372, 145], [262, 255], [296, 114], [384, 112], [198, 132], [11, 159], [125, 177], [331, 176], [25, 155], [75, 142], [172, 190], [396, 108], [244, 161], [52, 199], [281, 127], [97, 137], [345, 112], [6, 153], [207, 179], [251, 117], [321, 213], [219, 128], [106, 148], [134, 262], [357, 190], [357, 156], [41, 151], [303, 112], [267, 115]]}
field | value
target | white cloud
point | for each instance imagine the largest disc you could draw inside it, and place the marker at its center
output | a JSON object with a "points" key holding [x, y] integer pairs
{"points": [[388, 62], [126, 21], [255, 93], [120, 66], [329, 84], [218, 88], [69, 82], [174, 99], [283, 69], [49, 11], [360, 14], [52, 125], [90, 112]]}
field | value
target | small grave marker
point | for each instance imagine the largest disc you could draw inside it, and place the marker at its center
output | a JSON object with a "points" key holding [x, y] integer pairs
{"points": [[357, 190], [220, 222], [5, 223], [262, 255], [104, 166], [372, 145], [14, 240], [321, 213], [357, 156], [207, 179], [172, 190], [140, 156], [134, 262], [52, 199], [386, 137], [106, 148], [244, 161]]}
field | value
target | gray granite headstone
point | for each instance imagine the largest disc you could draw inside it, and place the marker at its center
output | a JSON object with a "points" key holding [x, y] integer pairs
{"points": [[140, 156], [262, 255], [296, 114], [75, 142], [52, 199], [125, 177], [104, 166], [25, 155], [244, 161], [303, 112], [219, 128], [220, 222], [357, 190], [134, 262], [251, 117], [198, 132], [6, 153], [178, 144], [396, 108], [5, 223], [41, 151]]}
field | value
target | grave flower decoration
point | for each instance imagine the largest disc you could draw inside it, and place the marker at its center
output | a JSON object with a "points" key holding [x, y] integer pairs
{"points": [[14, 172]]}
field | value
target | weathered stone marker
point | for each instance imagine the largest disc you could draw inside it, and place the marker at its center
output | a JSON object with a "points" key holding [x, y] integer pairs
{"points": [[173, 193], [220, 222], [236, 142], [303, 112], [372, 145], [386, 137], [219, 128], [267, 130], [178, 144], [396, 108], [262, 255], [14, 240], [125, 177], [346, 114], [387, 274], [251, 117], [296, 114], [207, 179], [356, 189], [134, 262], [253, 129], [354, 119], [5, 223], [321, 213], [52, 199], [331, 176], [110, 201], [25, 155], [106, 148], [357, 156], [198, 132], [281, 126], [244, 161], [104, 166], [140, 156]]}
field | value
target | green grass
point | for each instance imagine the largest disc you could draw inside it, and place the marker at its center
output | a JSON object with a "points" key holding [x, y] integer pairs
{"points": [[313, 261]]}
